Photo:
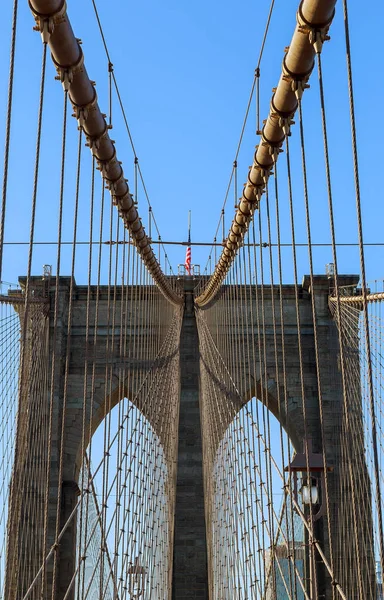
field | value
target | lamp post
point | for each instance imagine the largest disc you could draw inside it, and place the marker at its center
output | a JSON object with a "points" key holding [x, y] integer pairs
{"points": [[311, 467], [136, 579]]}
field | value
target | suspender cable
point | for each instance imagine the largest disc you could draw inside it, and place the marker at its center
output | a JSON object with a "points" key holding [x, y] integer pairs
{"points": [[313, 21], [53, 23]]}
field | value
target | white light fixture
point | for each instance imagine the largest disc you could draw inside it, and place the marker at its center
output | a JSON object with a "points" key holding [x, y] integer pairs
{"points": [[310, 491]]}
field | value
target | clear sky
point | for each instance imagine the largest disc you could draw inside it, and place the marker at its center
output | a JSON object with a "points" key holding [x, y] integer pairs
{"points": [[185, 70]]}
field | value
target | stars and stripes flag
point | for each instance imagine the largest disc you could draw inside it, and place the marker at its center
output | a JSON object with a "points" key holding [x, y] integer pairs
{"points": [[188, 255], [188, 260]]}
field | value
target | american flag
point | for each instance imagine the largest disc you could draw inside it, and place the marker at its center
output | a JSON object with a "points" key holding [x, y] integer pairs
{"points": [[188, 260]]}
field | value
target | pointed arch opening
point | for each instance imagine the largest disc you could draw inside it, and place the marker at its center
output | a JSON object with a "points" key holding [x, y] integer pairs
{"points": [[124, 525], [257, 541]]}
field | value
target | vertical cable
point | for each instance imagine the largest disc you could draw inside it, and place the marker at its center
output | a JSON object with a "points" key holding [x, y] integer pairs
{"points": [[363, 276], [8, 131]]}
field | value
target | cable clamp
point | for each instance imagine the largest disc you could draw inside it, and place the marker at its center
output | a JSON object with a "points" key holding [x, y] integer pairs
{"points": [[81, 114], [65, 73], [45, 24], [65, 76], [111, 186], [258, 190], [317, 32], [274, 148], [94, 144], [317, 39], [298, 87], [276, 143], [298, 80], [265, 172], [247, 209], [274, 152], [45, 27], [285, 117], [285, 124]]}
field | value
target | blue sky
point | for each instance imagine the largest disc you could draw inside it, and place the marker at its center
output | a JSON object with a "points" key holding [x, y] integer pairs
{"points": [[185, 71]]}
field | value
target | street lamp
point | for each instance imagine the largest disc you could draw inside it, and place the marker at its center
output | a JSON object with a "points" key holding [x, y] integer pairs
{"points": [[311, 467], [136, 579], [312, 473]]}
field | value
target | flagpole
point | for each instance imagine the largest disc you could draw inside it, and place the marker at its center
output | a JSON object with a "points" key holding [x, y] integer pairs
{"points": [[188, 253]]}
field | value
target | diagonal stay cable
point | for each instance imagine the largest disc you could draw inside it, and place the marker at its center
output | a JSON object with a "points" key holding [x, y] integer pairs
{"points": [[113, 75], [314, 18], [56, 31], [255, 84]]}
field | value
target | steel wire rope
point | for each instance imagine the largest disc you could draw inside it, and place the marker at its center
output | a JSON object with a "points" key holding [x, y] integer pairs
{"points": [[284, 365], [252, 353], [341, 335], [8, 385], [87, 333], [16, 486], [311, 545], [24, 380], [87, 547], [255, 84], [261, 426], [8, 122], [54, 374], [33, 492], [96, 342], [307, 527], [265, 407], [86, 444], [8, 333], [121, 104], [266, 448], [125, 200], [125, 282], [209, 422], [121, 405], [73, 513], [348, 322], [235, 342], [232, 485], [68, 348], [315, 331], [241, 374], [362, 269], [261, 167], [261, 354], [180, 243], [103, 535], [219, 413], [265, 403], [109, 343], [247, 376], [111, 488], [277, 367], [136, 429], [81, 560], [362, 485]]}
